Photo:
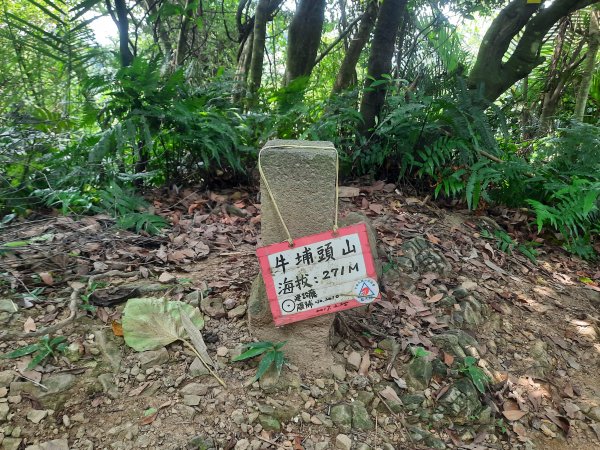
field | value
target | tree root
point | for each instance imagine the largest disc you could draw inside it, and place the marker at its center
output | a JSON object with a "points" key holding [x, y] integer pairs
{"points": [[52, 328]]}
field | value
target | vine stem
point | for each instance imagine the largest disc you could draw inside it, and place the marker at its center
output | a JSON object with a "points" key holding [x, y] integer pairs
{"points": [[192, 348]]}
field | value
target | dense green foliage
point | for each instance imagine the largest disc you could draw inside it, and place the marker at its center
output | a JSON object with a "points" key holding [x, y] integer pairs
{"points": [[80, 133]]}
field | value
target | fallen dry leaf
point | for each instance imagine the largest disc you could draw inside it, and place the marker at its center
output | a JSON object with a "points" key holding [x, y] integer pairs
{"points": [[535, 397], [513, 415], [138, 390], [448, 359], [390, 394], [365, 363], [435, 298], [29, 325], [46, 278], [376, 208], [117, 328]]}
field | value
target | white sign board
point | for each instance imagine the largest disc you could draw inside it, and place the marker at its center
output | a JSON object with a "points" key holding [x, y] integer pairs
{"points": [[321, 274]]}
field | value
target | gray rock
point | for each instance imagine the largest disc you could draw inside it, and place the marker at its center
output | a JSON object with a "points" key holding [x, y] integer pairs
{"points": [[193, 298], [194, 389], [7, 305], [237, 312], [242, 444], [419, 435], [460, 401], [542, 363], [4, 410], [460, 293], [341, 415], [338, 371], [213, 307], [354, 360], [457, 343], [365, 397], [594, 413], [343, 442], [11, 443], [110, 350], [419, 372], [360, 417], [37, 415], [271, 382], [56, 444], [58, 390], [419, 255], [269, 423], [108, 385], [153, 358], [201, 443], [197, 368], [185, 411], [322, 445], [230, 303], [192, 400], [7, 377]]}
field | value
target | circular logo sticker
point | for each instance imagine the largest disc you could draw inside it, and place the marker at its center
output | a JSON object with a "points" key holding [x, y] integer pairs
{"points": [[366, 290]]}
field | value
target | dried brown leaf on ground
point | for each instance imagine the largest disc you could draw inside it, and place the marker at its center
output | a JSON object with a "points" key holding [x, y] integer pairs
{"points": [[29, 325], [47, 278], [390, 394], [365, 363], [513, 415]]}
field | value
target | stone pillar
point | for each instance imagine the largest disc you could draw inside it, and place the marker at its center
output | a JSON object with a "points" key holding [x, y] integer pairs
{"points": [[303, 181]]}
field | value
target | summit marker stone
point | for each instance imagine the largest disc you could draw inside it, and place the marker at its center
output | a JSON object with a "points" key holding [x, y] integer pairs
{"points": [[302, 177]]}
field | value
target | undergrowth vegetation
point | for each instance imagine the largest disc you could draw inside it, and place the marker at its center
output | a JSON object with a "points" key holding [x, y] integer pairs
{"points": [[141, 128]]}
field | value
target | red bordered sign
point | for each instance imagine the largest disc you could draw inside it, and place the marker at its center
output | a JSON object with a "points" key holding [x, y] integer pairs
{"points": [[321, 274]]}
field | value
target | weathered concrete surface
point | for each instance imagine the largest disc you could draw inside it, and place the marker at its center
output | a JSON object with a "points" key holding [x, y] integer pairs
{"points": [[303, 184]]}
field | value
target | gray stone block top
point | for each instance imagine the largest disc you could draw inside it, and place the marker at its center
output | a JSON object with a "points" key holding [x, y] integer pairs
{"points": [[302, 178]]}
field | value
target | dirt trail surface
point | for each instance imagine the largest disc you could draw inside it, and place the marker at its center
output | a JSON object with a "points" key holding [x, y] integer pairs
{"points": [[470, 347]]}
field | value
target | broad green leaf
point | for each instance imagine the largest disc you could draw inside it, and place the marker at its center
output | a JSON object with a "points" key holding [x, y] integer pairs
{"points": [[264, 365], [39, 357], [251, 353], [150, 411], [15, 244], [28, 350], [470, 361], [478, 377], [57, 340], [151, 323]]}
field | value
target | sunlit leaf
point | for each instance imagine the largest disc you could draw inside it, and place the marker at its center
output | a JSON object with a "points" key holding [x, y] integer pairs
{"points": [[151, 323]]}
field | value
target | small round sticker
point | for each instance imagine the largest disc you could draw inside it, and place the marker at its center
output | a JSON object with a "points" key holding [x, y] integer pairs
{"points": [[366, 290]]}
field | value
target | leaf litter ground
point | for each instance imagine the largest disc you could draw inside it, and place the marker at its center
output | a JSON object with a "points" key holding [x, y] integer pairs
{"points": [[539, 343]]}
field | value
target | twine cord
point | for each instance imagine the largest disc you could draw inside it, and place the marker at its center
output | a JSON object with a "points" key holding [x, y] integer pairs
{"points": [[272, 197]]}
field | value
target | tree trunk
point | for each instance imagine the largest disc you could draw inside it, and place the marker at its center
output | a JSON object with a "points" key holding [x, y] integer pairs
{"points": [[561, 71], [380, 60], [493, 76], [258, 47], [243, 68], [590, 66], [304, 37], [346, 76], [123, 26], [161, 36], [181, 49]]}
